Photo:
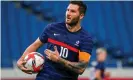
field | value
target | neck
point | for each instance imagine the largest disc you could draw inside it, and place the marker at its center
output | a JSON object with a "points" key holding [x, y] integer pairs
{"points": [[73, 28]]}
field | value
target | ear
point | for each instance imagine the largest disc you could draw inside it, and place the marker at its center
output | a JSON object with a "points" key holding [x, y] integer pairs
{"points": [[81, 16]]}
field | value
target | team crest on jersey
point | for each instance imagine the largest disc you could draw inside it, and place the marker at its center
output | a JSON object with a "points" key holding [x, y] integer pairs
{"points": [[77, 43]]}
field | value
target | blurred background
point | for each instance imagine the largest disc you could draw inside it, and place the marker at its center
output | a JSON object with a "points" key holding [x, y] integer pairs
{"points": [[109, 22]]}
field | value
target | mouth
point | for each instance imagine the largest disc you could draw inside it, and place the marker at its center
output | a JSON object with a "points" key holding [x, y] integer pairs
{"points": [[68, 18]]}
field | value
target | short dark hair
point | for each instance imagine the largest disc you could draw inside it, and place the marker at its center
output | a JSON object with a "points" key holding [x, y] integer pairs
{"points": [[82, 6]]}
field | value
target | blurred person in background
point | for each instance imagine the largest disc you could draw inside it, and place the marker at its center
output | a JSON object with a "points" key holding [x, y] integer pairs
{"points": [[98, 71]]}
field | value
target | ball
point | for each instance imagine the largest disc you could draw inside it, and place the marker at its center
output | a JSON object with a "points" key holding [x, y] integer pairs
{"points": [[34, 61]]}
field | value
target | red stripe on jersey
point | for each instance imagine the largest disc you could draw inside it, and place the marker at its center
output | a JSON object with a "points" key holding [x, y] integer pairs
{"points": [[62, 44]]}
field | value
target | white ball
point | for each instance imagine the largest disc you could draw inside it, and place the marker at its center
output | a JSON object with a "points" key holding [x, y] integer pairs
{"points": [[34, 62]]}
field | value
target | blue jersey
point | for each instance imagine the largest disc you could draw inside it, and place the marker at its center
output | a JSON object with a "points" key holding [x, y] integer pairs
{"points": [[68, 44], [100, 66]]}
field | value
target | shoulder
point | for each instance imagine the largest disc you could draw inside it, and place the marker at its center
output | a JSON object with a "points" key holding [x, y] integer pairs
{"points": [[55, 24], [86, 42], [86, 36], [100, 65]]}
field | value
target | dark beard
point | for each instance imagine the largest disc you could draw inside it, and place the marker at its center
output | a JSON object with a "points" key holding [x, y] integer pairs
{"points": [[73, 22]]}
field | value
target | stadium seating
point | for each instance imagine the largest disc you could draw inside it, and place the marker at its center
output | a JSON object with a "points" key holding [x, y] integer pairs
{"points": [[109, 23]]}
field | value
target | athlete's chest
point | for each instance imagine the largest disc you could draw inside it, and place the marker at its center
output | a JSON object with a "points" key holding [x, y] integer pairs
{"points": [[66, 37], [68, 44]]}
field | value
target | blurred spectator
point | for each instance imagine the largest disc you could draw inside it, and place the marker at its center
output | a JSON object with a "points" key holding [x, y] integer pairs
{"points": [[98, 71]]}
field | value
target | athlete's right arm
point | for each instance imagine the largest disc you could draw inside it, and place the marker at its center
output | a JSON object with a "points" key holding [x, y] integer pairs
{"points": [[32, 48]]}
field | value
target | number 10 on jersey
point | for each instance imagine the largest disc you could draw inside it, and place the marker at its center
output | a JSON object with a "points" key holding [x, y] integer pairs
{"points": [[64, 52]]}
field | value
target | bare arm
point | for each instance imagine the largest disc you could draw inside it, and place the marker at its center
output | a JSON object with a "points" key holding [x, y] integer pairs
{"points": [[32, 48], [77, 67]]}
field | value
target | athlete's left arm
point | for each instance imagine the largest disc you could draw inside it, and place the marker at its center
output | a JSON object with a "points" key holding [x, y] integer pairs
{"points": [[77, 67]]}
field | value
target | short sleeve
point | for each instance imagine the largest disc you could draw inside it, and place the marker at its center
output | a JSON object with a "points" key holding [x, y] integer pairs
{"points": [[99, 66], [44, 35], [86, 45]]}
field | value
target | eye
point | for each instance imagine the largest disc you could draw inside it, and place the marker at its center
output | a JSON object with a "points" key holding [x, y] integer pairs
{"points": [[73, 11], [67, 9]]}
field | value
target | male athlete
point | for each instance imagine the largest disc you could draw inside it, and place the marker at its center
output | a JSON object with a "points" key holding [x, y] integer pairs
{"points": [[99, 72], [68, 47]]}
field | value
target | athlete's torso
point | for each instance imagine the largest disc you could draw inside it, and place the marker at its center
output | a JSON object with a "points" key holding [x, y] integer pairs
{"points": [[68, 45]]}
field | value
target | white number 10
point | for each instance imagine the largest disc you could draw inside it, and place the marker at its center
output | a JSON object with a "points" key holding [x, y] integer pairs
{"points": [[64, 52]]}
